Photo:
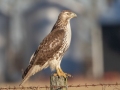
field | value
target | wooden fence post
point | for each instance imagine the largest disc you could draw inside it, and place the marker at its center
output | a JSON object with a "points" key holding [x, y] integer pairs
{"points": [[58, 83]]}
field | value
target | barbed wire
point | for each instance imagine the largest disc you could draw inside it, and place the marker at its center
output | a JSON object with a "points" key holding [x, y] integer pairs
{"points": [[104, 85]]}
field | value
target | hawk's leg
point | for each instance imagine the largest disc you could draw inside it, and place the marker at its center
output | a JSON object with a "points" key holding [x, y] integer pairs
{"points": [[61, 73], [67, 75]]}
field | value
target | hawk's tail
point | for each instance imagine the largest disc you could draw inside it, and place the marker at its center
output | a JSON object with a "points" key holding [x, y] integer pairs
{"points": [[30, 70]]}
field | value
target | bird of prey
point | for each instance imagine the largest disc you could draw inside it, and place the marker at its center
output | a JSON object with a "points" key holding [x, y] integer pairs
{"points": [[53, 47]]}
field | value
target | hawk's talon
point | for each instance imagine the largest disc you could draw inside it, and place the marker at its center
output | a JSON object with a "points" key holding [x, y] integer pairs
{"points": [[68, 75], [65, 75], [61, 73]]}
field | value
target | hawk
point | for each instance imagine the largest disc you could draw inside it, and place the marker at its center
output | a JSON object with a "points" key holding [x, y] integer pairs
{"points": [[53, 47]]}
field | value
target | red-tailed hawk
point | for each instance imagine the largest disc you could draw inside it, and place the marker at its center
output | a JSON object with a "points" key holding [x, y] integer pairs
{"points": [[51, 50]]}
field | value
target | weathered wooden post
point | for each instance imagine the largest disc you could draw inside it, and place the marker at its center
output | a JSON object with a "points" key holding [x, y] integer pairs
{"points": [[58, 83]]}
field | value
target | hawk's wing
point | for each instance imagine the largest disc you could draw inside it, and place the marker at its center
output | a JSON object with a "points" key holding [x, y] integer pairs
{"points": [[49, 47]]}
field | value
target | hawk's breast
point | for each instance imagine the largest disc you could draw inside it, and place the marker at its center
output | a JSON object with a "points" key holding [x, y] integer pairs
{"points": [[66, 43], [68, 35]]}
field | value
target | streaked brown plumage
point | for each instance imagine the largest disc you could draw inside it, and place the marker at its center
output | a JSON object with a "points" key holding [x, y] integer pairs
{"points": [[52, 48]]}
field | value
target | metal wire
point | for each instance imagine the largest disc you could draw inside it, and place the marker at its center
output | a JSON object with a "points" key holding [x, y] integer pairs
{"points": [[103, 85]]}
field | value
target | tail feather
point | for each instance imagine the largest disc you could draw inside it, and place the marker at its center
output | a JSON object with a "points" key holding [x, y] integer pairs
{"points": [[30, 70], [26, 71]]}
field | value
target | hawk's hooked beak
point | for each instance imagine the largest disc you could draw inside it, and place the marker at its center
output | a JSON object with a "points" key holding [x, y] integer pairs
{"points": [[74, 15]]}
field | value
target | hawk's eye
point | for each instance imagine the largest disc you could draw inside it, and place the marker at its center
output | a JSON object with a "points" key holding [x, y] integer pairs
{"points": [[67, 13]]}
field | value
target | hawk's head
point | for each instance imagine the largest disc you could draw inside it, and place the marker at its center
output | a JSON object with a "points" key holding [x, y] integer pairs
{"points": [[66, 14]]}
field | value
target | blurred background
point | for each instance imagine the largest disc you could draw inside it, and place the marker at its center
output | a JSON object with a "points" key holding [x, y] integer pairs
{"points": [[94, 52]]}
